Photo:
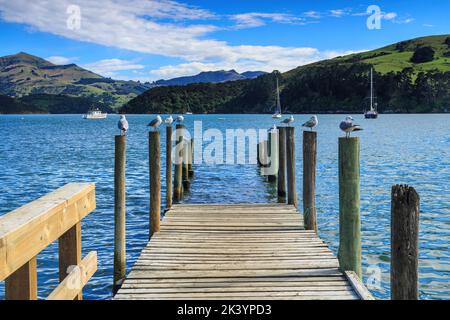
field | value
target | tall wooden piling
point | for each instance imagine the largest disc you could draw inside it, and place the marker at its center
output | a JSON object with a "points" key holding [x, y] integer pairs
{"points": [[186, 159], [119, 212], [273, 154], [168, 167], [178, 178], [404, 243], [309, 179], [154, 153], [191, 158], [290, 166], [349, 253], [282, 162]]}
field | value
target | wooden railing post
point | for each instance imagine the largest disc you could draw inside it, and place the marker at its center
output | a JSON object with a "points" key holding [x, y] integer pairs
{"points": [[168, 167], [282, 163], [349, 253], [186, 159], [178, 179], [309, 179], [191, 159], [273, 155], [155, 181], [404, 243], [290, 166], [22, 284], [119, 213], [70, 253]]}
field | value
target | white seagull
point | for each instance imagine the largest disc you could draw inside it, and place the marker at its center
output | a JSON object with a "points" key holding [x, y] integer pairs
{"points": [[155, 123], [179, 119], [123, 125], [311, 123], [348, 127], [288, 121], [168, 120]]}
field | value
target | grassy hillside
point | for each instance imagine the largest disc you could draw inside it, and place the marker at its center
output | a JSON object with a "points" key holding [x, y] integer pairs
{"points": [[10, 105], [410, 76]]}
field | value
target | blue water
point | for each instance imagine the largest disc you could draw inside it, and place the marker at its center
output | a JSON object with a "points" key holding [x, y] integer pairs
{"points": [[40, 153]]}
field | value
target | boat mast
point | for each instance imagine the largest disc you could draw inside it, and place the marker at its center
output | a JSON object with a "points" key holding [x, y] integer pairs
{"points": [[371, 89], [278, 99]]}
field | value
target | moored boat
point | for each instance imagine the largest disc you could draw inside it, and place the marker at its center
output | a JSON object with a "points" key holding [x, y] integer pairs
{"points": [[372, 113], [95, 114]]}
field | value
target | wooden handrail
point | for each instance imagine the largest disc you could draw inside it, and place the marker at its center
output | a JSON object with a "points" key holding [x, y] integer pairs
{"points": [[28, 230]]}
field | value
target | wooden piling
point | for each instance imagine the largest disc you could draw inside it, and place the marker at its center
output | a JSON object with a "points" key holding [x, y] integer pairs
{"points": [[349, 253], [119, 212], [282, 162], [155, 181], [69, 253], [186, 159], [309, 179], [178, 178], [168, 167], [273, 154], [404, 243], [258, 159], [191, 159], [290, 166]]}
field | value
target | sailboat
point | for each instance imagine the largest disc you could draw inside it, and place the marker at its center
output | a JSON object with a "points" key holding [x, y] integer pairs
{"points": [[372, 113], [277, 113]]}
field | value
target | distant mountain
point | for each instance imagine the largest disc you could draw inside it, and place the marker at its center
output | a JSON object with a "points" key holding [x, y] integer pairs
{"points": [[410, 76], [210, 77], [23, 74]]}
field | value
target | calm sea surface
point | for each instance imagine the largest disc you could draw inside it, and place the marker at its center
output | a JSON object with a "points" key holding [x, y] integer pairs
{"points": [[40, 153]]}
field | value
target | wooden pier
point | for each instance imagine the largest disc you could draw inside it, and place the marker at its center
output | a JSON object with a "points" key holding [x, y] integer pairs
{"points": [[243, 251]]}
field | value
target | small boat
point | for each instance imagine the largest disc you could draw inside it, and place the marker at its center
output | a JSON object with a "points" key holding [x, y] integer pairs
{"points": [[372, 113], [95, 114], [277, 113]]}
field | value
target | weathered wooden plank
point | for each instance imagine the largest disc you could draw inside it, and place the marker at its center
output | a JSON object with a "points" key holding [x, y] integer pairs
{"points": [[358, 286], [235, 280]]}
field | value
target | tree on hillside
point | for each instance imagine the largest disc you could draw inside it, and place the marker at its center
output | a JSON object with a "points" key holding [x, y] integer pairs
{"points": [[447, 41], [423, 54]]}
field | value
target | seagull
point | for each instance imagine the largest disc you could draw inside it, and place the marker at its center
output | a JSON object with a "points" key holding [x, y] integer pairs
{"points": [[273, 128], [168, 120], [155, 123], [123, 125], [288, 121], [179, 119], [311, 123], [348, 127]]}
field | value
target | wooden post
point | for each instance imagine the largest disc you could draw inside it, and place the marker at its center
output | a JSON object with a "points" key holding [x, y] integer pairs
{"points": [[168, 167], [191, 159], [349, 253], [178, 179], [273, 153], [70, 253], [154, 153], [22, 284], [258, 159], [186, 158], [282, 162], [309, 179], [404, 243], [290, 166], [119, 212]]}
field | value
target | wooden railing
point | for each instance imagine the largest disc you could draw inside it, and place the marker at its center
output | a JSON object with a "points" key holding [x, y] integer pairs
{"points": [[28, 230]]}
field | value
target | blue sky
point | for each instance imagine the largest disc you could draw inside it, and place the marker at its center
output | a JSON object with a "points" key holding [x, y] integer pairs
{"points": [[152, 39]]}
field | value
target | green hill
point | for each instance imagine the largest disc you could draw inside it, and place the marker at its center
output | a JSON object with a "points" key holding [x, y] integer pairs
{"points": [[23, 74], [403, 84]]}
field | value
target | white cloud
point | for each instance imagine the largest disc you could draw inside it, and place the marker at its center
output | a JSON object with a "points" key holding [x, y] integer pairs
{"points": [[312, 14], [338, 13], [428, 25], [256, 19], [60, 60], [389, 16], [109, 67]]}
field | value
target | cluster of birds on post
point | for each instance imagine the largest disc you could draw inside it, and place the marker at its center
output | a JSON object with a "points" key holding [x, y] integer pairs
{"points": [[346, 125], [154, 124]]}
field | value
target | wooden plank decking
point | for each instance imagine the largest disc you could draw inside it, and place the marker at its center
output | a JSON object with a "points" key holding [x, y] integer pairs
{"points": [[237, 252]]}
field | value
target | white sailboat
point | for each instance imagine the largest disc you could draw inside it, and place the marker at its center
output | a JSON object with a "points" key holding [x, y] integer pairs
{"points": [[95, 114], [372, 113], [277, 113]]}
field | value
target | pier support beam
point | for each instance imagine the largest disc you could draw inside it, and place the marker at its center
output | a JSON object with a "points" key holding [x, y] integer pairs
{"points": [[178, 179], [191, 159], [290, 166], [349, 253], [155, 181], [309, 179], [119, 212], [186, 160], [282, 163], [168, 167], [273, 155], [404, 243]]}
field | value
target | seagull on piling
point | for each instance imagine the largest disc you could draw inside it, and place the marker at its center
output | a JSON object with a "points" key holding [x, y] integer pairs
{"points": [[179, 119], [123, 125], [155, 123], [288, 121], [311, 123], [348, 127], [168, 120]]}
